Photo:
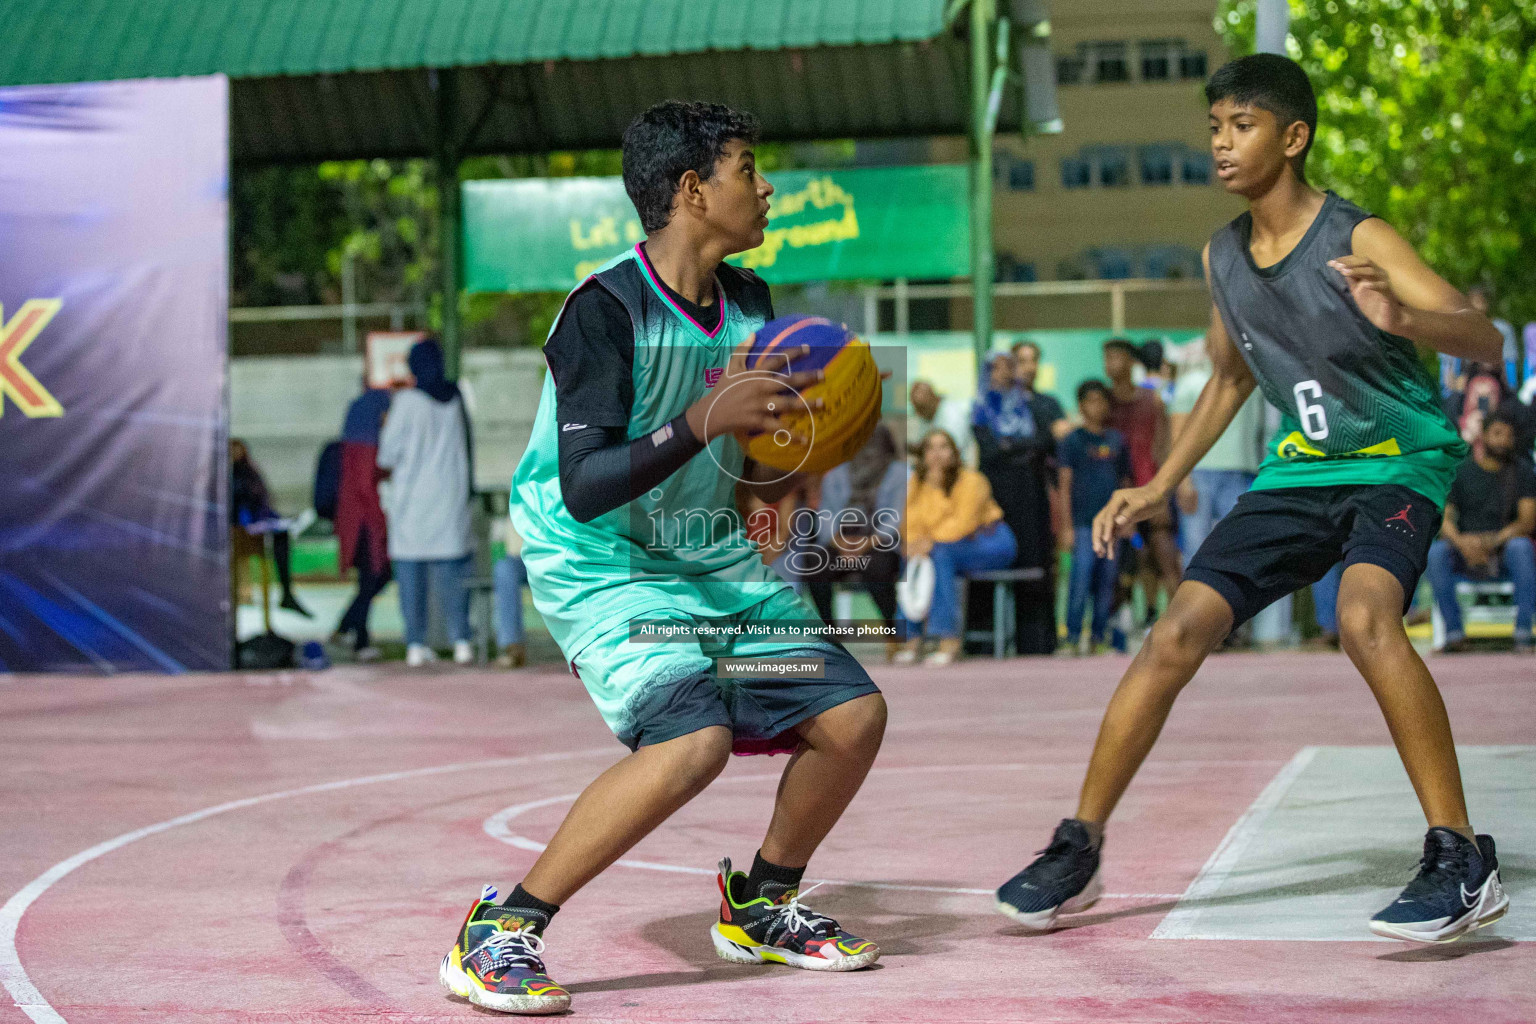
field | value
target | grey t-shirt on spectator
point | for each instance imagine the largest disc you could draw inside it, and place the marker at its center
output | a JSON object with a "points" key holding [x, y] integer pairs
{"points": [[1238, 447]]}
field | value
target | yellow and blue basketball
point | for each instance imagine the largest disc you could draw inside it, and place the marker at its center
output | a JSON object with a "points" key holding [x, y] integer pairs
{"points": [[850, 391]]}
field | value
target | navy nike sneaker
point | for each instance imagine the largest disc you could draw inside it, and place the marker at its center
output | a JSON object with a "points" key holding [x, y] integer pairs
{"points": [[1457, 889], [1064, 879]]}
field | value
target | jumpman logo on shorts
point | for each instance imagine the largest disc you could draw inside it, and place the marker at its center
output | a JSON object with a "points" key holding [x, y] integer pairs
{"points": [[1403, 518]]}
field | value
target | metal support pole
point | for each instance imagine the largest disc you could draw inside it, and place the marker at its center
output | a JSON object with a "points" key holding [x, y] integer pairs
{"points": [[983, 13], [349, 303], [450, 240], [871, 311], [1272, 21], [1117, 308], [903, 308]]}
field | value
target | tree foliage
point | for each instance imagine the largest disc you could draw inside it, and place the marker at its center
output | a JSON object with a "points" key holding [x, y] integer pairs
{"points": [[296, 227], [1427, 117]]}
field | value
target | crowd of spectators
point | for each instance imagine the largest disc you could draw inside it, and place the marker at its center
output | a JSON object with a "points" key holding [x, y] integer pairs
{"points": [[1002, 481], [1048, 474]]}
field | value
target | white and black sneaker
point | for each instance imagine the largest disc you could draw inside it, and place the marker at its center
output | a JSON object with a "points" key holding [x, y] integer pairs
{"points": [[1064, 879], [1457, 889]]}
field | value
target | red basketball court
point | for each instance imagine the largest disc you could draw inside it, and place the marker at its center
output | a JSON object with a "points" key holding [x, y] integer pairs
{"points": [[297, 847]]}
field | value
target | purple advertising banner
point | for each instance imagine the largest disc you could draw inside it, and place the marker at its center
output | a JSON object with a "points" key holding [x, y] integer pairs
{"points": [[114, 524]]}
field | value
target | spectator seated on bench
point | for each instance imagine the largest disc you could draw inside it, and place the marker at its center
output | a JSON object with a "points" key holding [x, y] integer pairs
{"points": [[1489, 519], [951, 519]]}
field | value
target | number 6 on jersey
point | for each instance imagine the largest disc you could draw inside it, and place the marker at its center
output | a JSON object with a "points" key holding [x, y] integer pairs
{"points": [[1314, 422]]}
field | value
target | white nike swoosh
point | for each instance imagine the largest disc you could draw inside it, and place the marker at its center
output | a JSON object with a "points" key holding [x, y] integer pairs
{"points": [[573, 426], [1464, 902]]}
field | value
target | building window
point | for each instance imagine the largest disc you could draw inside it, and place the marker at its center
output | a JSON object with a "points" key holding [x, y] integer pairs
{"points": [[1111, 264], [1156, 165], [1197, 168], [1071, 270], [1069, 70], [1106, 166], [1157, 58], [1173, 262], [1075, 172], [1114, 167], [1011, 268], [1192, 65], [1017, 174], [1110, 62]]}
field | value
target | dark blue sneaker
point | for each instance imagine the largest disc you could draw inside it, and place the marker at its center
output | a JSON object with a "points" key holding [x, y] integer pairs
{"points": [[1062, 880], [1457, 890]]}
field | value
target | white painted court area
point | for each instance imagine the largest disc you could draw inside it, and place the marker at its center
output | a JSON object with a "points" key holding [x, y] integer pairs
{"points": [[1338, 833]]}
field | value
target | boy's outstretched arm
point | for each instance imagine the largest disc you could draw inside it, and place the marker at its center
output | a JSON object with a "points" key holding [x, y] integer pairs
{"points": [[1223, 395], [1399, 294]]}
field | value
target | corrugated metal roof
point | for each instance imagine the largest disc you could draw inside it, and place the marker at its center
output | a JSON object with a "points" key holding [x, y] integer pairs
{"points": [[845, 92], [335, 79], [47, 41]]}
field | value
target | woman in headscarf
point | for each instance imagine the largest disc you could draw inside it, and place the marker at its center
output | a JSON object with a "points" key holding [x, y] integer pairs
{"points": [[360, 525], [250, 504], [1015, 453], [425, 445]]}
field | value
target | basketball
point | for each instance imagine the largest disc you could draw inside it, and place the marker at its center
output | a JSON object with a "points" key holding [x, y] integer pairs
{"points": [[851, 392]]}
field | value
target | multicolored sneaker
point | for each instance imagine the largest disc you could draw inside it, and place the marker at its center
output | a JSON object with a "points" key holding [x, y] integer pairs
{"points": [[1456, 890], [761, 931], [495, 962]]}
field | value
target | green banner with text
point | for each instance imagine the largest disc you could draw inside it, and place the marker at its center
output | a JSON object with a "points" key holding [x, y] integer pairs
{"points": [[546, 234]]}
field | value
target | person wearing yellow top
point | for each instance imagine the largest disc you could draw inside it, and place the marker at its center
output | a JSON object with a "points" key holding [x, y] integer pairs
{"points": [[952, 519]]}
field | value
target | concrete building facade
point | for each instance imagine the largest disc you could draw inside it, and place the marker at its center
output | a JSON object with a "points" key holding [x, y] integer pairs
{"points": [[1127, 189]]}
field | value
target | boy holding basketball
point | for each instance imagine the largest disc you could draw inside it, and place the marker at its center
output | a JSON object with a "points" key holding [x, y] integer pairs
{"points": [[1318, 304], [625, 501]]}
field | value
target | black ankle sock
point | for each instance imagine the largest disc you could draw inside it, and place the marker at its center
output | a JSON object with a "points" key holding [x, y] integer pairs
{"points": [[770, 880], [536, 911]]}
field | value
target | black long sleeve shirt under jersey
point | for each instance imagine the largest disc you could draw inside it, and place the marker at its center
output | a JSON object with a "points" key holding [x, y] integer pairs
{"points": [[591, 355]]}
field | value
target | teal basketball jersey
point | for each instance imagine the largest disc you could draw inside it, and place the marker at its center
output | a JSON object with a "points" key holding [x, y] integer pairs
{"points": [[681, 549]]}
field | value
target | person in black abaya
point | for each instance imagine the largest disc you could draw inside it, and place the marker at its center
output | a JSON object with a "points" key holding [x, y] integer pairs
{"points": [[1014, 454]]}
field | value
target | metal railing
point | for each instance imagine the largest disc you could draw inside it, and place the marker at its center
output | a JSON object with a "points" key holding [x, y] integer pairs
{"points": [[348, 313], [902, 293]]}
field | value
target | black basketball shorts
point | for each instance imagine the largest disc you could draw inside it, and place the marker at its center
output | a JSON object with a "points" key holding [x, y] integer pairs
{"points": [[1275, 542]]}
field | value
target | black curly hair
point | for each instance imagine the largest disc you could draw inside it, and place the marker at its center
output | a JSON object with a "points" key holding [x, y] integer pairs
{"points": [[1273, 83], [673, 137]]}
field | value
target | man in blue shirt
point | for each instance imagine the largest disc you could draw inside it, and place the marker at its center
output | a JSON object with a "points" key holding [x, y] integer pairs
{"points": [[1095, 463]]}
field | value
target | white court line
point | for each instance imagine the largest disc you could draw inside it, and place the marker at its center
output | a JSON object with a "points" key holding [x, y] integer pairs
{"points": [[498, 827], [1181, 920], [14, 976], [30, 1001]]}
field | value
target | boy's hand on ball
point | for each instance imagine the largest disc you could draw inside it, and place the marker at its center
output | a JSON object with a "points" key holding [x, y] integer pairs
{"points": [[752, 401]]}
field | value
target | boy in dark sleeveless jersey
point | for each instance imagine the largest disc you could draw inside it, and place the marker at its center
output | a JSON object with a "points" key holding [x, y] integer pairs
{"points": [[1318, 304]]}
